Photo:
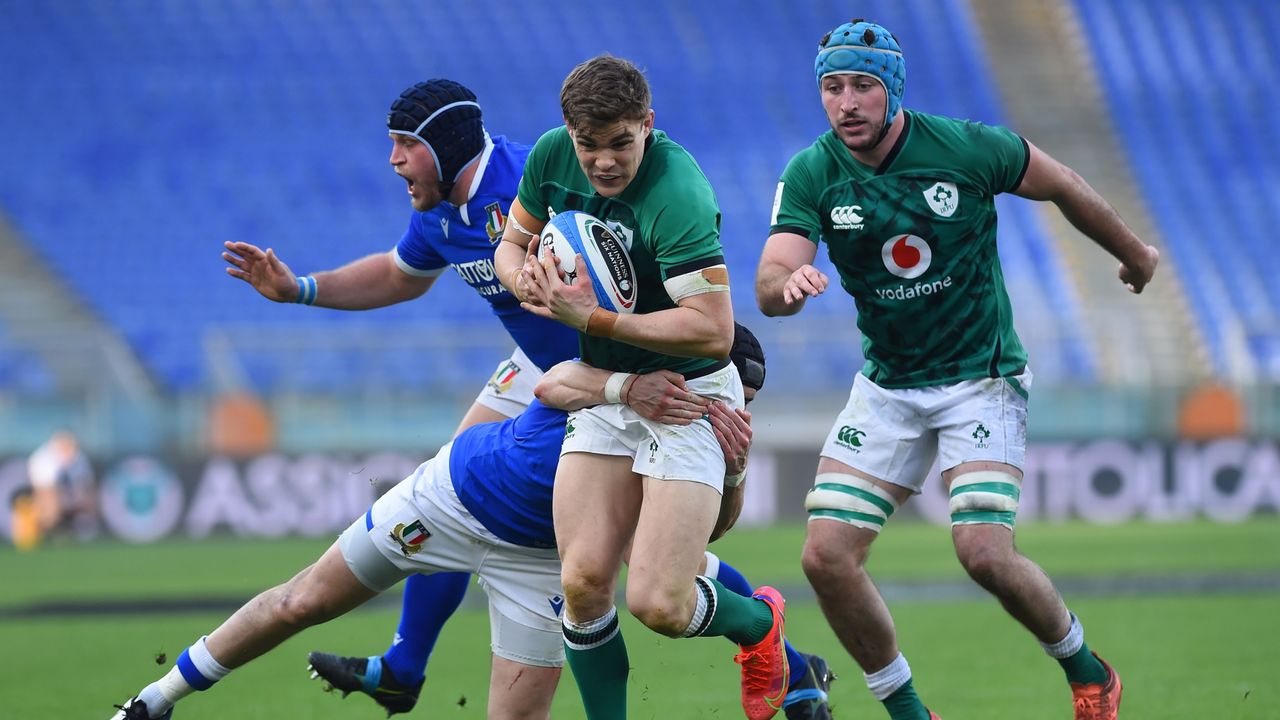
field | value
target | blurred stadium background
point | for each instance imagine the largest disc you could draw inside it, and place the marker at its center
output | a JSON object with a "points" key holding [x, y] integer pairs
{"points": [[137, 135]]}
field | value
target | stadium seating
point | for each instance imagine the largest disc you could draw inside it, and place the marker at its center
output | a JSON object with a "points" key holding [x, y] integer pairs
{"points": [[162, 129], [1194, 94], [22, 371]]}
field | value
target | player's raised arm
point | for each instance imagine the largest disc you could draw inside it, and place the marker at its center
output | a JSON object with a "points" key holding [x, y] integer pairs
{"points": [[1048, 179], [786, 276], [370, 282]]}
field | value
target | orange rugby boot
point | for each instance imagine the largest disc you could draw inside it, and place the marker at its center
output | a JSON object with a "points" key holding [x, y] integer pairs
{"points": [[1098, 701], [765, 674]]}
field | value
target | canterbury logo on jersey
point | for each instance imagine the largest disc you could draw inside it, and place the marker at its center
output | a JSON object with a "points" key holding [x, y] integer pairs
{"points": [[846, 217]]}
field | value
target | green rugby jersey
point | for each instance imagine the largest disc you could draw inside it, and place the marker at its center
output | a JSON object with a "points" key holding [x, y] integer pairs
{"points": [[667, 217], [914, 241]]}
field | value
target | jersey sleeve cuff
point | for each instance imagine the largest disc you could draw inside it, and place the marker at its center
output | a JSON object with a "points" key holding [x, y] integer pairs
{"points": [[416, 272]]}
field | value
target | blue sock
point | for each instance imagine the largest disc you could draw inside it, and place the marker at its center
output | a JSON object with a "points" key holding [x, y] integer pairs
{"points": [[728, 576], [428, 602]]}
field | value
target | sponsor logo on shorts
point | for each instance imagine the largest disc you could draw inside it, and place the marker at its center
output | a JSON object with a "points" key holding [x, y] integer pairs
{"points": [[568, 428], [653, 450], [846, 217], [943, 198], [495, 223], [557, 604], [504, 377], [980, 435], [410, 537], [848, 436]]}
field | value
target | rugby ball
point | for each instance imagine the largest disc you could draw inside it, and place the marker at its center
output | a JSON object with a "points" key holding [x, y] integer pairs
{"points": [[571, 233]]}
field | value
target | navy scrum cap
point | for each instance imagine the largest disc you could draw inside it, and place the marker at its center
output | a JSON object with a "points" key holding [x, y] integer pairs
{"points": [[748, 356], [444, 116]]}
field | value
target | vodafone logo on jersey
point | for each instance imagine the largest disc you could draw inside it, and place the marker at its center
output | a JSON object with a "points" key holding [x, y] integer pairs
{"points": [[906, 256]]}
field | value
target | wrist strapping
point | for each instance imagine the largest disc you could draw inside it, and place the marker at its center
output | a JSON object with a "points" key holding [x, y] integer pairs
{"points": [[735, 480], [306, 290], [613, 387], [601, 323]]}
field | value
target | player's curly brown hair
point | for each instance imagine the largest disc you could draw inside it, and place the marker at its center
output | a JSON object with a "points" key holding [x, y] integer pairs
{"points": [[602, 91]]}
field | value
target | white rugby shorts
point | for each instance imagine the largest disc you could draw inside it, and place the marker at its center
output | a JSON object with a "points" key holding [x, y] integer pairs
{"points": [[894, 435], [420, 526], [665, 452]]}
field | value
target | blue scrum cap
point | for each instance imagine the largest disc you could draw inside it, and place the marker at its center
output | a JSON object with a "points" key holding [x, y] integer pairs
{"points": [[444, 116], [864, 48]]}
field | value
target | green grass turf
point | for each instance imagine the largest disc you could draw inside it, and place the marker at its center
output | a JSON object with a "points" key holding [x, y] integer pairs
{"points": [[907, 551], [1180, 657]]}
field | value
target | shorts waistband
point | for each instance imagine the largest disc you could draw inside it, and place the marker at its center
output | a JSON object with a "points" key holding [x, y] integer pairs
{"points": [[709, 370]]}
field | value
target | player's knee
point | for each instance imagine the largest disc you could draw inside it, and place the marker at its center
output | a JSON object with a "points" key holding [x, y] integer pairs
{"points": [[984, 563], [658, 613], [586, 587], [298, 609], [985, 557], [826, 562]]}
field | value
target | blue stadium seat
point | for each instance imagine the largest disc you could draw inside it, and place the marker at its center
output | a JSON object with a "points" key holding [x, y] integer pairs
{"points": [[1193, 89], [167, 128]]}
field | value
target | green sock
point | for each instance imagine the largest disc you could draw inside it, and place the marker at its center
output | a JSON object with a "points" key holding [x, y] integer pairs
{"points": [[743, 620], [1083, 667], [599, 669], [904, 704]]}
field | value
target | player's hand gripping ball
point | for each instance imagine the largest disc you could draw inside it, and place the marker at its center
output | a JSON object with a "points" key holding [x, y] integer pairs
{"points": [[607, 261]]}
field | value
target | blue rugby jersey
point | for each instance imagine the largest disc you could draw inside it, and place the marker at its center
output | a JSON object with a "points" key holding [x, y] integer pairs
{"points": [[503, 473], [465, 238]]}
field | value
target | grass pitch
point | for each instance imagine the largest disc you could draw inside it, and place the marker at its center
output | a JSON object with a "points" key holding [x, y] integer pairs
{"points": [[1206, 655]]}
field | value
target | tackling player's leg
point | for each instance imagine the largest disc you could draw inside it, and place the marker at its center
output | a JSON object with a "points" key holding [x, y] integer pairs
{"points": [[395, 678], [809, 674], [319, 593]]}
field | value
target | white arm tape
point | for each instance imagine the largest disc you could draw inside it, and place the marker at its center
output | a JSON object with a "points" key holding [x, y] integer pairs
{"points": [[516, 224], [707, 280], [613, 387], [735, 480]]}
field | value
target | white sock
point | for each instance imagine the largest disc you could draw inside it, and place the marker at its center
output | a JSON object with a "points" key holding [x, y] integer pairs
{"points": [[592, 633], [886, 681], [203, 670], [1069, 645], [704, 608]]}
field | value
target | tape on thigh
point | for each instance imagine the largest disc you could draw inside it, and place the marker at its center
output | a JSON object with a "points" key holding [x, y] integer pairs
{"points": [[988, 496], [851, 499]]}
